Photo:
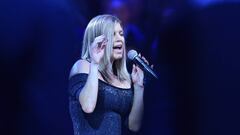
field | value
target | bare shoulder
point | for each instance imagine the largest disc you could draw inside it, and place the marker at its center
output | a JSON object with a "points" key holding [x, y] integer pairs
{"points": [[80, 66]]}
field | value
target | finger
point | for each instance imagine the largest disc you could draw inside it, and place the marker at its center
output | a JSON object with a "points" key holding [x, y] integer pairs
{"points": [[93, 45], [139, 54], [145, 60], [102, 40], [133, 68], [103, 46], [105, 41], [152, 66], [101, 49], [101, 43], [99, 40], [138, 68]]}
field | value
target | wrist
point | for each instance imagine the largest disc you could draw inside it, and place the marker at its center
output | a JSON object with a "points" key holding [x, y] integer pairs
{"points": [[138, 91], [94, 67], [94, 64], [138, 86]]}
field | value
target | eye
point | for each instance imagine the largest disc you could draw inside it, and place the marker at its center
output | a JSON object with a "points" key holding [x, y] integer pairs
{"points": [[121, 33]]}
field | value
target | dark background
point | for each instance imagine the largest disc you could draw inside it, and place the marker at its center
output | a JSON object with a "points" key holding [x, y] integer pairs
{"points": [[194, 45]]}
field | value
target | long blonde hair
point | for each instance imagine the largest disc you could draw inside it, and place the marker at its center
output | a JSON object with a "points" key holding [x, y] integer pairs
{"points": [[104, 24]]}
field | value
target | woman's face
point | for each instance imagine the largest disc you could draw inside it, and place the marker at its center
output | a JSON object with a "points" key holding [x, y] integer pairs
{"points": [[118, 42]]}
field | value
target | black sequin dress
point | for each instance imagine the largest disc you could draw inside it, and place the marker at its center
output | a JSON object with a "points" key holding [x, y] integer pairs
{"points": [[110, 116]]}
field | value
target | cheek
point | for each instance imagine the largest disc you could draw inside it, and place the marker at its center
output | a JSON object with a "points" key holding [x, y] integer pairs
{"points": [[123, 39]]}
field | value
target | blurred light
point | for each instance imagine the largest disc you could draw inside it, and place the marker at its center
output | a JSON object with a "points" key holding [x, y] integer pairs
{"points": [[210, 2]]}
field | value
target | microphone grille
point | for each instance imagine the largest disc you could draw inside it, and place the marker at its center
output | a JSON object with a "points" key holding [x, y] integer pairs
{"points": [[132, 54]]}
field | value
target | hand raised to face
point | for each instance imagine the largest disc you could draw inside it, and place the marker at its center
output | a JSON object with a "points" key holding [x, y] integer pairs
{"points": [[97, 49]]}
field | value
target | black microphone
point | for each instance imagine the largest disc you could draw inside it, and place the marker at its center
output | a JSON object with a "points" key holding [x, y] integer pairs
{"points": [[133, 55]]}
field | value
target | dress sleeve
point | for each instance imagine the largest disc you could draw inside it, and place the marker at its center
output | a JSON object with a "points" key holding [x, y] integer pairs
{"points": [[76, 83]]}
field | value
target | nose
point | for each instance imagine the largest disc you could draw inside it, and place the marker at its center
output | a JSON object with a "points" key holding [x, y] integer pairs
{"points": [[119, 38], [119, 41]]}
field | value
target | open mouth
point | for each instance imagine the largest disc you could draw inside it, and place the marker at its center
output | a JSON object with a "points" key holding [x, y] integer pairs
{"points": [[118, 47]]}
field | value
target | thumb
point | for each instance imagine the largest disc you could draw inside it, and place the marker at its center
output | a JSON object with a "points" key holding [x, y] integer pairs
{"points": [[133, 68]]}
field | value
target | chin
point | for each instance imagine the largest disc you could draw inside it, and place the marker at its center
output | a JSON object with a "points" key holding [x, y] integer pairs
{"points": [[117, 57]]}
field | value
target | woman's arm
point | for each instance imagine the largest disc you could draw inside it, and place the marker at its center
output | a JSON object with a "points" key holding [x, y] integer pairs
{"points": [[88, 94], [135, 116]]}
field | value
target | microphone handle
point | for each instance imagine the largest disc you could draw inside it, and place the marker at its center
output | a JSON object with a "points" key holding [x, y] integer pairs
{"points": [[144, 66]]}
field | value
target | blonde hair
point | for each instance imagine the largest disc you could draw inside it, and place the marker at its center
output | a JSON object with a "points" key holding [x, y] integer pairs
{"points": [[104, 24]]}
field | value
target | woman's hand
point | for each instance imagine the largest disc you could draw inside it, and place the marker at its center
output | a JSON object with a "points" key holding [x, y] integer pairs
{"points": [[138, 74], [97, 49]]}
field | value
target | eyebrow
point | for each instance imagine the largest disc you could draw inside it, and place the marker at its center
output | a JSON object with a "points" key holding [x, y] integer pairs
{"points": [[119, 31]]}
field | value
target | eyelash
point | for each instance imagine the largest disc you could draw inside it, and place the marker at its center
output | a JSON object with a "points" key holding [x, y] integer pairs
{"points": [[121, 34]]}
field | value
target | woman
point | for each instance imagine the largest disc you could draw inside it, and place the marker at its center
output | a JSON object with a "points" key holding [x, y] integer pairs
{"points": [[104, 98]]}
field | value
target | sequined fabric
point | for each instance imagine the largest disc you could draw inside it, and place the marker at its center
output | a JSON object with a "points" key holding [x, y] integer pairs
{"points": [[110, 116]]}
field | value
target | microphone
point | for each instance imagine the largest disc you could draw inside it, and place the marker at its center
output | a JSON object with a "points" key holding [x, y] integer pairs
{"points": [[133, 55]]}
